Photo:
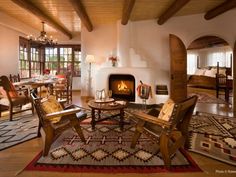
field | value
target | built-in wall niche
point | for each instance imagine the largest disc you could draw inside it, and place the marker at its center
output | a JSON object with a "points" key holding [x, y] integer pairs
{"points": [[122, 86], [161, 90]]}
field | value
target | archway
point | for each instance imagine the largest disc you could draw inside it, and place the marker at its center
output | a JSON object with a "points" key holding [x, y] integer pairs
{"points": [[208, 55]]}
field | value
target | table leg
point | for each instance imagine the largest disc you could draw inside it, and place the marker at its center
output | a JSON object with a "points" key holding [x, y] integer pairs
{"points": [[227, 94], [93, 122], [122, 113], [99, 114]]}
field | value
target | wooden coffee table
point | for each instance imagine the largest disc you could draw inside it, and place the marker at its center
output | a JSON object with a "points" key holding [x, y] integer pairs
{"points": [[98, 106]]}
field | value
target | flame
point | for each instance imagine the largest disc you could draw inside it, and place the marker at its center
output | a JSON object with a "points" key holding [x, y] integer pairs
{"points": [[122, 86]]}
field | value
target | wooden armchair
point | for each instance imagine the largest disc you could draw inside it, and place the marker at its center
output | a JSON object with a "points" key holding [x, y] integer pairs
{"points": [[169, 129], [54, 119], [13, 98]]}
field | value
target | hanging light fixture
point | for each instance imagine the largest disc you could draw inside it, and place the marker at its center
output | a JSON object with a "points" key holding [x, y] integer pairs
{"points": [[43, 39]]}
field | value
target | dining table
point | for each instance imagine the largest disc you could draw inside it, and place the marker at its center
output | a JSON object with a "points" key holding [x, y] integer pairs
{"points": [[37, 83]]}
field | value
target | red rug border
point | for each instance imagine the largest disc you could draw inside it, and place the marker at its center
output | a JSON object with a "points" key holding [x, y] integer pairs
{"points": [[193, 167]]}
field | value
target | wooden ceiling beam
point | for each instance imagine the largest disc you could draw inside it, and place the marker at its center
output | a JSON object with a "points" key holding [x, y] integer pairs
{"points": [[30, 7], [81, 12], [175, 7], [127, 9], [225, 6]]}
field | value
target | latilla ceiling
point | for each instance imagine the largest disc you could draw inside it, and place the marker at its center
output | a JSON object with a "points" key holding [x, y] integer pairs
{"points": [[61, 15]]}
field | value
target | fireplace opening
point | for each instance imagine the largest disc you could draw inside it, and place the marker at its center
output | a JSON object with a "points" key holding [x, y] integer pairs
{"points": [[122, 86]]}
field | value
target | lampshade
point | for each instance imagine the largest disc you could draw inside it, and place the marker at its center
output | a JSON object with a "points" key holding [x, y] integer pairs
{"points": [[90, 59]]}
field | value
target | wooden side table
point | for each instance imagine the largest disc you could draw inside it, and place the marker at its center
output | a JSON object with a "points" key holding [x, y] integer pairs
{"points": [[107, 106]]}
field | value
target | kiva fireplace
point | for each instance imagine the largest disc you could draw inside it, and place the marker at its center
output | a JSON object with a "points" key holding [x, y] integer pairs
{"points": [[122, 86]]}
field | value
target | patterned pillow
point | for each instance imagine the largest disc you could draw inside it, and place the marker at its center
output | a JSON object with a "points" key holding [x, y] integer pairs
{"points": [[167, 110], [12, 93], [51, 105]]}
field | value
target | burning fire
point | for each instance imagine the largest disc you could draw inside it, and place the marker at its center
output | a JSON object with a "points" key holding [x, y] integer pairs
{"points": [[122, 86]]}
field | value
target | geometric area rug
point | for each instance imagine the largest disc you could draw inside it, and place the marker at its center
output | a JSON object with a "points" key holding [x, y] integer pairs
{"points": [[107, 150], [214, 136], [22, 128]]}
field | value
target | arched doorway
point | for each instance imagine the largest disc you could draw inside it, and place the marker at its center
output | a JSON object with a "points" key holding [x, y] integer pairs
{"points": [[207, 56]]}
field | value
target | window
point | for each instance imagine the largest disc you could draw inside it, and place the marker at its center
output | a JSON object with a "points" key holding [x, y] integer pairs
{"points": [[65, 60], [222, 55], [77, 62], [191, 63], [33, 59], [51, 60], [35, 62], [24, 61]]}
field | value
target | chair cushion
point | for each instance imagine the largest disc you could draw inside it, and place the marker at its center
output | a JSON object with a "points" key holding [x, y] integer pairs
{"points": [[210, 73], [167, 110], [51, 105], [199, 72]]}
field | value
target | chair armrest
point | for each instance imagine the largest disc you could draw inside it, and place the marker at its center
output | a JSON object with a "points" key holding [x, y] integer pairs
{"points": [[71, 106], [63, 113], [151, 119]]}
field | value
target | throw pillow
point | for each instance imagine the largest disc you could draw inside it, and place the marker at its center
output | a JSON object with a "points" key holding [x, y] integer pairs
{"points": [[51, 105], [167, 110], [199, 72], [210, 73]]}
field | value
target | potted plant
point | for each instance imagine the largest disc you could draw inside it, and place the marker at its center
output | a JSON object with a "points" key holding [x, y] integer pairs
{"points": [[113, 60]]}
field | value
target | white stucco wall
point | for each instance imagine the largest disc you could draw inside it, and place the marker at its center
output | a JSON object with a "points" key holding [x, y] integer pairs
{"points": [[151, 41], [100, 43], [9, 51]]}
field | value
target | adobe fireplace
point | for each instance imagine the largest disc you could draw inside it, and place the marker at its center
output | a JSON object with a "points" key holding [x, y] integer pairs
{"points": [[122, 86]]}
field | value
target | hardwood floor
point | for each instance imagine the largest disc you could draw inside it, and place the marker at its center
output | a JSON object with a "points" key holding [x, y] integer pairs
{"points": [[14, 159]]}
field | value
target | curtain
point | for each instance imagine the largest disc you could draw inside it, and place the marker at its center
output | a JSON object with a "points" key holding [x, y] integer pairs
{"points": [[191, 63], [221, 55]]}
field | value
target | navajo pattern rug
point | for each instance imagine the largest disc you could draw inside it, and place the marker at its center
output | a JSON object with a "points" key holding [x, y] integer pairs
{"points": [[214, 136], [20, 129], [107, 150]]}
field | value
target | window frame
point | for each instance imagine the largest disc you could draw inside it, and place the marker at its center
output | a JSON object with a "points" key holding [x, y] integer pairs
{"points": [[42, 57], [25, 45]]}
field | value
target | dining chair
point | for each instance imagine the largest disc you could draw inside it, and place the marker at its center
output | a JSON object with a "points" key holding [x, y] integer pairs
{"points": [[54, 119], [14, 78], [223, 84], [12, 99], [22, 88], [63, 88], [168, 129]]}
